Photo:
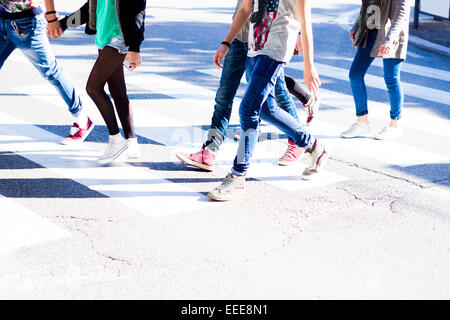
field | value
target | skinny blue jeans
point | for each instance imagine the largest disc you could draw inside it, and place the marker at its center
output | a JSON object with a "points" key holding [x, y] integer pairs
{"points": [[259, 101], [30, 36]]}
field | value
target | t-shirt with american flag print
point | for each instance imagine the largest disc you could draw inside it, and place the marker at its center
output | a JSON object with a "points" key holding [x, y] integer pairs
{"points": [[14, 6], [274, 29]]}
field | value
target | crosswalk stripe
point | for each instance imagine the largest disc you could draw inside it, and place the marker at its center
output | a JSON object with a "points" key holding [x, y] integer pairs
{"points": [[184, 136], [420, 120], [20, 227], [410, 89], [133, 186]]}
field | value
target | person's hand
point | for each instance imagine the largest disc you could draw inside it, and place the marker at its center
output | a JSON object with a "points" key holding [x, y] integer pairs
{"points": [[312, 80], [383, 50], [54, 29], [352, 35], [219, 55], [298, 46], [134, 58]]}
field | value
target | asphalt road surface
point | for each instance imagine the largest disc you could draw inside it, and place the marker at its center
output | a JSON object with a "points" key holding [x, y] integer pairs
{"points": [[376, 224]]}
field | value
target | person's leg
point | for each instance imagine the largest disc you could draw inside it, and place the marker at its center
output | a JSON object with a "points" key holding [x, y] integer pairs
{"points": [[358, 70], [297, 90], [30, 36], [233, 70], [6, 46], [117, 88], [260, 97], [262, 84], [396, 96], [283, 98], [106, 65], [235, 64]]}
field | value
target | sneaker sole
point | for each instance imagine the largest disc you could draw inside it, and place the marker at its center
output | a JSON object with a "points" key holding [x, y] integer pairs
{"points": [[191, 163], [287, 163], [74, 142], [114, 157], [223, 199]]}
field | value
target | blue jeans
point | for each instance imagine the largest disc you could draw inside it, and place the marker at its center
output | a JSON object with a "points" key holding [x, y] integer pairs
{"points": [[358, 70], [259, 101], [235, 64], [30, 36]]}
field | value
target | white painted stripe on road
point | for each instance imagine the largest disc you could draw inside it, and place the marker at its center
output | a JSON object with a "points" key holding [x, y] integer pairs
{"points": [[410, 89], [20, 227], [419, 70], [419, 120], [157, 197], [388, 152]]}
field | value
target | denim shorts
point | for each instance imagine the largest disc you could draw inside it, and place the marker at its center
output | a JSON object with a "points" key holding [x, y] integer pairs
{"points": [[118, 42]]}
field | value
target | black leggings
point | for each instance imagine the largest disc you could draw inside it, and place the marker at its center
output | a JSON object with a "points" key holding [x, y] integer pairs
{"points": [[296, 90], [109, 69]]}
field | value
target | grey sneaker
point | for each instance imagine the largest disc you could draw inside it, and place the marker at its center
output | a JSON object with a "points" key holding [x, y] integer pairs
{"points": [[357, 129], [388, 133], [319, 157], [313, 109], [232, 187]]}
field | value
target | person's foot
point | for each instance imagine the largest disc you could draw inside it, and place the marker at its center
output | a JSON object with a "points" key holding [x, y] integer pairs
{"points": [[116, 146], [313, 109], [292, 154], [77, 133], [133, 151], [319, 156], [357, 129], [231, 188], [204, 159], [388, 133]]}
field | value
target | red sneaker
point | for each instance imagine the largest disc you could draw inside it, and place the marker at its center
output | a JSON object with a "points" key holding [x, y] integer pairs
{"points": [[204, 159], [77, 134], [292, 154]]}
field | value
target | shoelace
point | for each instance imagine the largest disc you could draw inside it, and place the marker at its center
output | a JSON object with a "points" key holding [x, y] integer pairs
{"points": [[290, 151]]}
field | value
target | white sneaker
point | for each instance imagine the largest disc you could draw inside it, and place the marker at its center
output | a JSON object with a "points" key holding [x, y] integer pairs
{"points": [[116, 146], [357, 129], [133, 151], [389, 133]]}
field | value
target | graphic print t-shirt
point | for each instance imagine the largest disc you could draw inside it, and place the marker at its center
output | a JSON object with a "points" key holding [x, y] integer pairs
{"points": [[274, 28], [14, 6]]}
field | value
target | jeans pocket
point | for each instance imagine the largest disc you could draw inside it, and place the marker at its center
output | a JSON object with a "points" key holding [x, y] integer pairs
{"points": [[23, 27]]}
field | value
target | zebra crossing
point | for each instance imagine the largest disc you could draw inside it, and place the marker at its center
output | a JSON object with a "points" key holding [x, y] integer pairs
{"points": [[135, 187]]}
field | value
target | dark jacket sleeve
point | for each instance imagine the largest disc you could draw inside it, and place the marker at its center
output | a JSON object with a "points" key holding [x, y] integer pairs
{"points": [[132, 21], [78, 18]]}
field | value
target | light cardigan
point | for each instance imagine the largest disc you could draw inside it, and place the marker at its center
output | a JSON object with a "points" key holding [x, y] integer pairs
{"points": [[394, 29]]}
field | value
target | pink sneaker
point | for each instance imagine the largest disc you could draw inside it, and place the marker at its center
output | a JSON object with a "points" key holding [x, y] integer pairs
{"points": [[204, 159], [292, 154], [77, 134]]}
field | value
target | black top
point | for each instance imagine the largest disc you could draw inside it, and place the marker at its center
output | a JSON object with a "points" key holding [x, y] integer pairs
{"points": [[131, 20]]}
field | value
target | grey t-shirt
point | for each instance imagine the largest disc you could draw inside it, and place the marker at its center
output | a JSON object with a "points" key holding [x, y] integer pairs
{"points": [[274, 30]]}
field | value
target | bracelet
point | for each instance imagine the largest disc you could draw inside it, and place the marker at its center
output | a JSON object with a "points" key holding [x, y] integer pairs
{"points": [[226, 43], [54, 20], [50, 12]]}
